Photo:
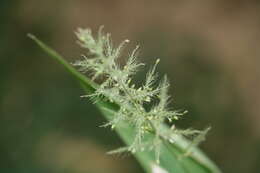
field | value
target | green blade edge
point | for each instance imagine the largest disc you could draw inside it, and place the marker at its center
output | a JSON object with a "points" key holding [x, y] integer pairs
{"points": [[172, 158]]}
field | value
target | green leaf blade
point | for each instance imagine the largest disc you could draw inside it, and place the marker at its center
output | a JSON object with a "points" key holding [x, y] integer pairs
{"points": [[172, 158]]}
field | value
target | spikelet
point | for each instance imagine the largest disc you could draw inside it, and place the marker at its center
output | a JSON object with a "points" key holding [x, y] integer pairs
{"points": [[101, 61]]}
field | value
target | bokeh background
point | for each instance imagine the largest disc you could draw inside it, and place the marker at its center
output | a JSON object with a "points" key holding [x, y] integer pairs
{"points": [[209, 49]]}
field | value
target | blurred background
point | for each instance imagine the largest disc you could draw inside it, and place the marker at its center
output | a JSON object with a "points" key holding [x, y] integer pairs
{"points": [[209, 49]]}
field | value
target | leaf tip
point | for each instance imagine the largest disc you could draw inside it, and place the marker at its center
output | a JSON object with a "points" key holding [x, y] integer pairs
{"points": [[31, 36]]}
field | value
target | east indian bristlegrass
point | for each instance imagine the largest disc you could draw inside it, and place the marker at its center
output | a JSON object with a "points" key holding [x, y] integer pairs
{"points": [[116, 86]]}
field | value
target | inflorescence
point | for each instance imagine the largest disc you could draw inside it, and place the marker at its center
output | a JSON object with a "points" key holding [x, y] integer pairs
{"points": [[101, 62]]}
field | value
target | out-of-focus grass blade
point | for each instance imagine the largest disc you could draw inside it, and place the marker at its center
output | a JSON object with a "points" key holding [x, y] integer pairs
{"points": [[172, 158]]}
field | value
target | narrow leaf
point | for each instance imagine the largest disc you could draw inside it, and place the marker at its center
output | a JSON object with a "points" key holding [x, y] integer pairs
{"points": [[172, 154]]}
